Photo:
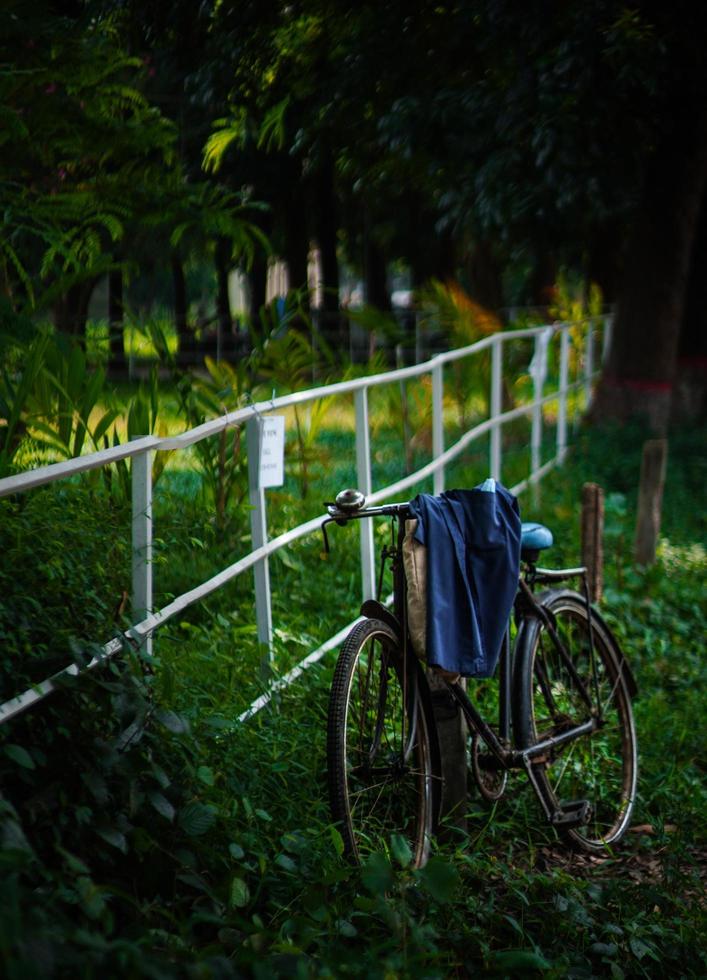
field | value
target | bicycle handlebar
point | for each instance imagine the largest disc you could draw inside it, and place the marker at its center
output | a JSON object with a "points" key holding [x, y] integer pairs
{"points": [[385, 510], [340, 516]]}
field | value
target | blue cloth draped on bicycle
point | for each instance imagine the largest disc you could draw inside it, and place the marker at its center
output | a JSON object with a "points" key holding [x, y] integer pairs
{"points": [[473, 559]]}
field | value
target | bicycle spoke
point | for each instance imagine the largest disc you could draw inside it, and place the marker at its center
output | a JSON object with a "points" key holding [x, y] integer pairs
{"points": [[379, 759], [574, 680]]}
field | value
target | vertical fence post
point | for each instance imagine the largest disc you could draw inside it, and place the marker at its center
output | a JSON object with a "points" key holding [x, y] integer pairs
{"points": [[259, 536], [562, 404], [142, 540], [438, 423], [363, 476], [536, 434], [588, 364], [496, 392]]}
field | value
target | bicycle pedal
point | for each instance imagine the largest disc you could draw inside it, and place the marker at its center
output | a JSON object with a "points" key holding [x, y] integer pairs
{"points": [[572, 814]]}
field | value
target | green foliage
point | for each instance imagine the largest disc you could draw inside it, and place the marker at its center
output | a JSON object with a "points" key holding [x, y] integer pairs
{"points": [[53, 402], [65, 409], [573, 300], [289, 354], [20, 375], [144, 418], [446, 307], [221, 458], [78, 135], [109, 835], [203, 212], [64, 575], [483, 125], [145, 830]]}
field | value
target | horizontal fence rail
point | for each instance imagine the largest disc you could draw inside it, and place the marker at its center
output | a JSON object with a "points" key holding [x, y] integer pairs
{"points": [[140, 451]]}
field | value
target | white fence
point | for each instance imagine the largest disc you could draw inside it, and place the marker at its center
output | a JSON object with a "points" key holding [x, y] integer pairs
{"points": [[566, 335]]}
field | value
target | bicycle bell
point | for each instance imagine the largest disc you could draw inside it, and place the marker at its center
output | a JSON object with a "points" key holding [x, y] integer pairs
{"points": [[350, 500]]}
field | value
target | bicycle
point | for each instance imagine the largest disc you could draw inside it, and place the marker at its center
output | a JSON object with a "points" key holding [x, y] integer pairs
{"points": [[564, 710]]}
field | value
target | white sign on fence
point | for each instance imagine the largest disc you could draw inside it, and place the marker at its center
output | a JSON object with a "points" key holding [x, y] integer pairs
{"points": [[272, 452]]}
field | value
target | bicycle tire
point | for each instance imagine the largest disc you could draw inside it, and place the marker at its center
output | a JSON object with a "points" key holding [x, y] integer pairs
{"points": [[601, 767], [380, 755]]}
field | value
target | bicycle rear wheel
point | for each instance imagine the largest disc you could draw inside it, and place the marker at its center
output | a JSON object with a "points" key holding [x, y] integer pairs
{"points": [[562, 684], [379, 749]]}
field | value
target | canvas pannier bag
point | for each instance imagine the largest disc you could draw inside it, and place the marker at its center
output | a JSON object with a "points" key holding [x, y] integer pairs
{"points": [[415, 566]]}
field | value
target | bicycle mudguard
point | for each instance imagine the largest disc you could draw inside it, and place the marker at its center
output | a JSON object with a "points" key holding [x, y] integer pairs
{"points": [[372, 609], [621, 660], [624, 665]]}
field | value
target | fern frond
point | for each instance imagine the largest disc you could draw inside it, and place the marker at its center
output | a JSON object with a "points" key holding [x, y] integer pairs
{"points": [[233, 131], [114, 100], [272, 129], [11, 255]]}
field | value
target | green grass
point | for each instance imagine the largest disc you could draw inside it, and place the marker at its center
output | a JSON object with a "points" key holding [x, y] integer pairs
{"points": [[223, 861], [509, 898]]}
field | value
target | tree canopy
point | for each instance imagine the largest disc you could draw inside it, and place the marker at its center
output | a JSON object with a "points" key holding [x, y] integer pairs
{"points": [[80, 148], [491, 142]]}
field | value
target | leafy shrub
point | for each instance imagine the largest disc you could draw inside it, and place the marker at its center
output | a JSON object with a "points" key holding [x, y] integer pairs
{"points": [[146, 833], [65, 575]]}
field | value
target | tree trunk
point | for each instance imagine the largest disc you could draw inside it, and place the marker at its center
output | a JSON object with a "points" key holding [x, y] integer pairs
{"points": [[327, 230], [116, 321], [297, 244], [71, 310], [444, 254], [257, 282], [690, 387], [604, 261], [179, 285], [376, 276], [543, 278], [485, 285], [642, 360], [222, 258], [296, 250], [375, 272], [417, 254]]}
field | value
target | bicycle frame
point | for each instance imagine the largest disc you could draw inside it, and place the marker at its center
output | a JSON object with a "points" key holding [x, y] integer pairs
{"points": [[554, 715], [526, 605]]}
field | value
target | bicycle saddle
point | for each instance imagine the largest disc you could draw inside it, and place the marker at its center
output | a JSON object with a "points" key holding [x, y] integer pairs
{"points": [[533, 539]]}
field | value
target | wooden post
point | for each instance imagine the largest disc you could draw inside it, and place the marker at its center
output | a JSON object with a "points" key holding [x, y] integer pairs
{"points": [[650, 499], [592, 538], [451, 731]]}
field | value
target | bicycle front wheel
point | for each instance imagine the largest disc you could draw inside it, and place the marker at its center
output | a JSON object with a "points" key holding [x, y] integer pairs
{"points": [[379, 749], [565, 681]]}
